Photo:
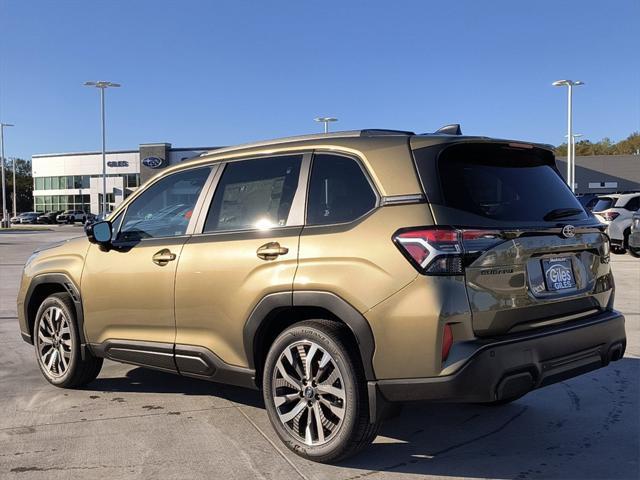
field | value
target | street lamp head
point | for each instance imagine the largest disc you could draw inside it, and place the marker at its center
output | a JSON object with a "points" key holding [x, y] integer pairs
{"points": [[7, 124], [325, 119], [567, 83], [101, 84]]}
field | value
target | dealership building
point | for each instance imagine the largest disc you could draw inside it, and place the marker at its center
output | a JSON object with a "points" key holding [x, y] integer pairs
{"points": [[73, 181], [602, 174]]}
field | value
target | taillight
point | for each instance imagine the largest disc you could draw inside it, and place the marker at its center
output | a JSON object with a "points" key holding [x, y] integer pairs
{"points": [[447, 341], [609, 216], [442, 250]]}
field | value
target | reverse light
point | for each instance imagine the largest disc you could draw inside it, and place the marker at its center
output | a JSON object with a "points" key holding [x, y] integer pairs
{"points": [[447, 341]]}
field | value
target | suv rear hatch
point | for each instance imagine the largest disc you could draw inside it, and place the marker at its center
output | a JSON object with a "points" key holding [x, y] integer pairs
{"points": [[530, 254]]}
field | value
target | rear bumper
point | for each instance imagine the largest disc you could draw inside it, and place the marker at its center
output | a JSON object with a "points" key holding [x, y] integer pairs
{"points": [[512, 367]]}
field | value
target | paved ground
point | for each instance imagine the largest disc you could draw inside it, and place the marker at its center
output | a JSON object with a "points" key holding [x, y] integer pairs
{"points": [[137, 423]]}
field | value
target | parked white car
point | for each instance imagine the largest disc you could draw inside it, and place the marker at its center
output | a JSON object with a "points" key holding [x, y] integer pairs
{"points": [[616, 211], [72, 216]]}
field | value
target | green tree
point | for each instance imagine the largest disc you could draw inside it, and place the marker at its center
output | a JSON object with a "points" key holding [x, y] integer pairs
{"points": [[628, 146], [24, 185]]}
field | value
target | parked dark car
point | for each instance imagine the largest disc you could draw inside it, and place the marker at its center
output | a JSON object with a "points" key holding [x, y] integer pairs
{"points": [[49, 217], [634, 236], [588, 200]]}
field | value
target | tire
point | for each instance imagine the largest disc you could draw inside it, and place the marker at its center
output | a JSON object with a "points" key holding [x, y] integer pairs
{"points": [[338, 400], [618, 250], [57, 344], [634, 252]]}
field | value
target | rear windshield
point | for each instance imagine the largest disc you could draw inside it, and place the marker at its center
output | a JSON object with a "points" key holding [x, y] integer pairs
{"points": [[504, 184], [604, 203]]}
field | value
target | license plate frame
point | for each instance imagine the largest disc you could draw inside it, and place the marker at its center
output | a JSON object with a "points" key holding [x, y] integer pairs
{"points": [[558, 274]]}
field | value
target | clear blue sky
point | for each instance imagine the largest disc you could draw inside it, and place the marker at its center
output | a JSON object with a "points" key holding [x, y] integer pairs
{"points": [[222, 72]]}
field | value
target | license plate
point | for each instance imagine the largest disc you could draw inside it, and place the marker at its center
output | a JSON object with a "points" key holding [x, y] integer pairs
{"points": [[558, 273]]}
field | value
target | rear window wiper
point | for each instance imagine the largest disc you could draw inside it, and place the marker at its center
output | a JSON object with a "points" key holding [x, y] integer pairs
{"points": [[561, 213]]}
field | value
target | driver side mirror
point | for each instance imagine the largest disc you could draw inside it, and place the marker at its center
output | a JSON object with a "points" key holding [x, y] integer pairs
{"points": [[99, 232]]}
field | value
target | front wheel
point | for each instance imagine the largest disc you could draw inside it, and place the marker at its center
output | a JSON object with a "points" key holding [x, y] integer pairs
{"points": [[57, 344], [634, 251], [315, 392]]}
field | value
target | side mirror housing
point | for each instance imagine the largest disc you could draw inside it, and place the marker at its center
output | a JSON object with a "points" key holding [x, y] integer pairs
{"points": [[99, 232]]}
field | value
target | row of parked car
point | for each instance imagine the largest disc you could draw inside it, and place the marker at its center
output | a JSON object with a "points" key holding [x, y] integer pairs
{"points": [[621, 213], [66, 216]]}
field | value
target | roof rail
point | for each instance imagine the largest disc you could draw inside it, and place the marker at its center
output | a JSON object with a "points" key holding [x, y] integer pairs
{"points": [[369, 132]]}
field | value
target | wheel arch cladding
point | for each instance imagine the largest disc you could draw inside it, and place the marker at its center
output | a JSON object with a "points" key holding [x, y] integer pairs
{"points": [[277, 311], [45, 285]]}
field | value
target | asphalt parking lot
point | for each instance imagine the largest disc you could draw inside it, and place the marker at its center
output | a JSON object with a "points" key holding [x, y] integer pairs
{"points": [[138, 423]]}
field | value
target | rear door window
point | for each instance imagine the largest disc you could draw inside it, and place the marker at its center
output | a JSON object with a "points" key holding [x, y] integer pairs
{"points": [[499, 183], [254, 194]]}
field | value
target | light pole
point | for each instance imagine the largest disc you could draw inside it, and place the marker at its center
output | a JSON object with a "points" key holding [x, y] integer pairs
{"points": [[326, 121], [5, 220], [13, 164], [102, 85], [570, 160], [572, 147]]}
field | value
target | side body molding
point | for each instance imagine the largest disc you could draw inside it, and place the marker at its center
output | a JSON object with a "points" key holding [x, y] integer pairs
{"points": [[338, 307]]}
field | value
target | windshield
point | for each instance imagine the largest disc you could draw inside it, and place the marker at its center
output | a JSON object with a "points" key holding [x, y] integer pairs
{"points": [[498, 183]]}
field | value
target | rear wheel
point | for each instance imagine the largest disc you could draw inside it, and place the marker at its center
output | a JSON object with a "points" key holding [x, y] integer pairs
{"points": [[634, 251], [57, 344], [315, 392]]}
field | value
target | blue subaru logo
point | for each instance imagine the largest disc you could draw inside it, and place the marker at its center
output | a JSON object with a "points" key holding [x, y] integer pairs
{"points": [[153, 162]]}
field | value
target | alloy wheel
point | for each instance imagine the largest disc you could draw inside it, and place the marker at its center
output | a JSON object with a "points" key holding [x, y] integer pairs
{"points": [[309, 393], [54, 342]]}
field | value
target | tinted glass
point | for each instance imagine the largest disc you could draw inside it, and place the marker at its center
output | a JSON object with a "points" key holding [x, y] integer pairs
{"points": [[506, 184], [633, 204], [604, 203], [254, 194], [165, 208], [339, 191]]}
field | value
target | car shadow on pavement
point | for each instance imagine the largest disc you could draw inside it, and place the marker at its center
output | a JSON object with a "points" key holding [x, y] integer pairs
{"points": [[586, 427], [144, 380]]}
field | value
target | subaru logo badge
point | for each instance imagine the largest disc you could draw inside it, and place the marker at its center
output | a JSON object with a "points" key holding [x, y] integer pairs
{"points": [[153, 162], [568, 231]]}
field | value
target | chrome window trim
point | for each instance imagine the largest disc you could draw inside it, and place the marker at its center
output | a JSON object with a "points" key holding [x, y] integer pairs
{"points": [[298, 211], [403, 199]]}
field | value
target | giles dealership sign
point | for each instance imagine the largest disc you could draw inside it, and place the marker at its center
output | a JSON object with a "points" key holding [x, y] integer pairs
{"points": [[153, 162], [119, 163]]}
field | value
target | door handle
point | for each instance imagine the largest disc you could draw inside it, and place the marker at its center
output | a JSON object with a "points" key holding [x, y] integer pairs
{"points": [[163, 257], [271, 250]]}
